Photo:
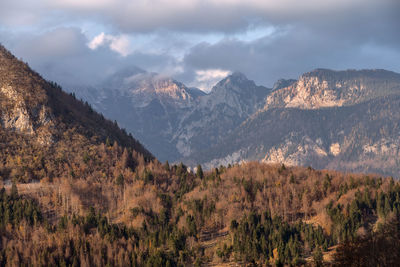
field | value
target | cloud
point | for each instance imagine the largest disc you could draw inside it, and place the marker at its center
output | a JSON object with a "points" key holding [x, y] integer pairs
{"points": [[59, 43], [194, 39], [227, 16], [20, 13], [289, 55], [83, 4], [204, 15], [119, 44], [206, 79], [63, 55]]}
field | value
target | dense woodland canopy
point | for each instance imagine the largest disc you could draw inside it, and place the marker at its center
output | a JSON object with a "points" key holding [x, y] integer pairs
{"points": [[108, 206], [93, 196]]}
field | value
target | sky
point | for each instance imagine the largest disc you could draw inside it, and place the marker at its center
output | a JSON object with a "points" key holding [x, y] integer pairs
{"points": [[199, 42]]}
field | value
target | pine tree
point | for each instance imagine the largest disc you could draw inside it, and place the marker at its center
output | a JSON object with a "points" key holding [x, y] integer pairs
{"points": [[125, 159], [318, 257], [166, 166], [14, 190], [199, 172]]}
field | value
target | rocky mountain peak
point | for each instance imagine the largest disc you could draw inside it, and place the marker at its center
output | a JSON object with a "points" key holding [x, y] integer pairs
{"points": [[238, 76], [328, 88], [237, 85], [145, 87], [236, 82]]}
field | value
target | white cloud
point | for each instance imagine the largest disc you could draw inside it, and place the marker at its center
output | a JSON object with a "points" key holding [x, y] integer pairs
{"points": [[97, 41], [206, 79], [120, 44]]}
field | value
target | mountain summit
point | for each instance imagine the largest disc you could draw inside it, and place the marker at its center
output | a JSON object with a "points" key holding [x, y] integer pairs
{"points": [[230, 102]]}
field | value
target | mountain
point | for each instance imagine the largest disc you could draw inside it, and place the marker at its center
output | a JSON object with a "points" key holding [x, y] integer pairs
{"points": [[230, 102], [173, 120], [38, 118], [344, 120], [148, 105]]}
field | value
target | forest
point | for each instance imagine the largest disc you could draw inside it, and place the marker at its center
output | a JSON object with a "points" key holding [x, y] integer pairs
{"points": [[104, 205]]}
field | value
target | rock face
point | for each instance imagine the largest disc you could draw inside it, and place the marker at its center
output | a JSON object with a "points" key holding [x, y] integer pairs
{"points": [[23, 102]]}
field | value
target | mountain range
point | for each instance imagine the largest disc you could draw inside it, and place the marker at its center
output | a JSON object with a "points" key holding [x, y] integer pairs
{"points": [[345, 120], [169, 118]]}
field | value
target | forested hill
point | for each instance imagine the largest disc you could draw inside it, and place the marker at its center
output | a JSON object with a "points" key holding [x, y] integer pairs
{"points": [[161, 215]]}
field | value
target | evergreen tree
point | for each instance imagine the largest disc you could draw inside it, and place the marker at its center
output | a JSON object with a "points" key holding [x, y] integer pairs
{"points": [[199, 172], [166, 166], [318, 257], [14, 190]]}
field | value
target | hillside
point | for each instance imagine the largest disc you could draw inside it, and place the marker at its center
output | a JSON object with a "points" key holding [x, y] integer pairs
{"points": [[160, 215], [34, 106], [38, 120]]}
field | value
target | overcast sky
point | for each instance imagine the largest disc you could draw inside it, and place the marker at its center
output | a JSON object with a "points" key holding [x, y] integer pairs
{"points": [[200, 41]]}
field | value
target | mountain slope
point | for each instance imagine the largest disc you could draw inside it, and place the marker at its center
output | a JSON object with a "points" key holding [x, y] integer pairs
{"points": [[146, 104], [38, 115]]}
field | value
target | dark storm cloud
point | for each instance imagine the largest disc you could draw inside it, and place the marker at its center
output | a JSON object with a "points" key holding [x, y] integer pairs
{"points": [[221, 15], [367, 37], [289, 55]]}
